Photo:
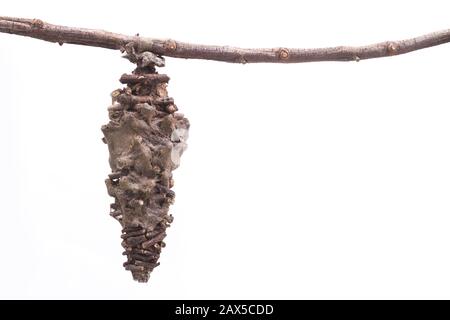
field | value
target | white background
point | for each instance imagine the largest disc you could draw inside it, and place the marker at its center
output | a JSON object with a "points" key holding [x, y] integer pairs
{"points": [[321, 180]]}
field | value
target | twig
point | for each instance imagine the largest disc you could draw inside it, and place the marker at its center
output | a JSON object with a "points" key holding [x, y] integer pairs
{"points": [[144, 78], [36, 28]]}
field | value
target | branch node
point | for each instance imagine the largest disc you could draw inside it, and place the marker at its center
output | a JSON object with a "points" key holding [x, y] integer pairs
{"points": [[392, 48], [170, 45], [242, 60], [283, 53], [37, 24]]}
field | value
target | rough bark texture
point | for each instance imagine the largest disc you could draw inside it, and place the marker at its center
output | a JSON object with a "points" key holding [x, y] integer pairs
{"points": [[145, 141], [36, 28]]}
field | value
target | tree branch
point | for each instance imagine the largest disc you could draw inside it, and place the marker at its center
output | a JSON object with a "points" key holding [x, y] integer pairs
{"points": [[38, 29]]}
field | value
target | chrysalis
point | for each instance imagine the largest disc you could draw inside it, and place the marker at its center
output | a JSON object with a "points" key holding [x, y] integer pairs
{"points": [[145, 138]]}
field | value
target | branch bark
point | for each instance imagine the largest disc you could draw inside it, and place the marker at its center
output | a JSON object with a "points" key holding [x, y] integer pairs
{"points": [[146, 78], [38, 29]]}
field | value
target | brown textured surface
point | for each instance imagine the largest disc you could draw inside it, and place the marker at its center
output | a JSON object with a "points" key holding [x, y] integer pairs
{"points": [[98, 38], [145, 140]]}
